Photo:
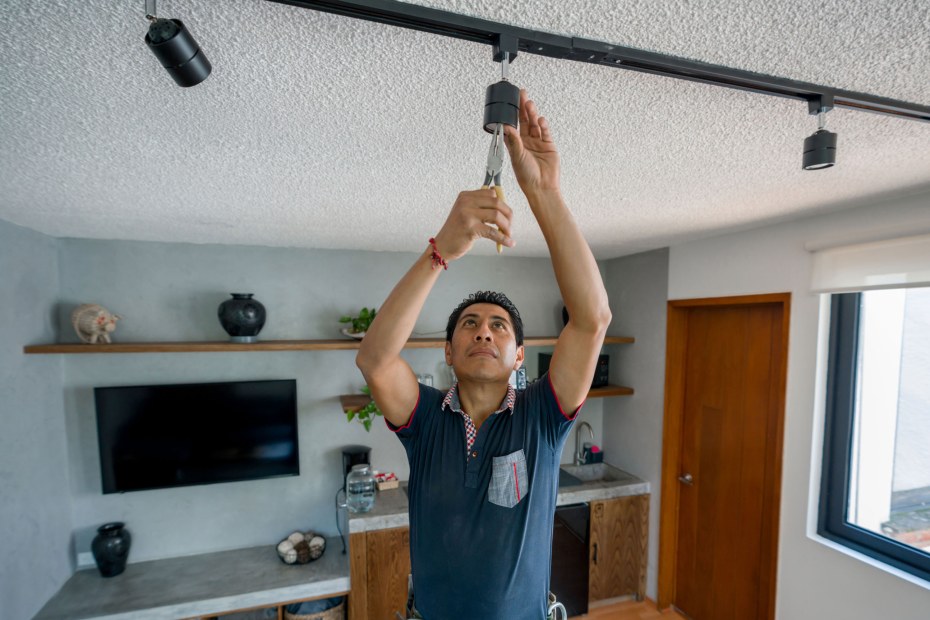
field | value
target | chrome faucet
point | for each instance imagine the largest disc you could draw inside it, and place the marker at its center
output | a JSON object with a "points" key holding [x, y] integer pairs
{"points": [[579, 457]]}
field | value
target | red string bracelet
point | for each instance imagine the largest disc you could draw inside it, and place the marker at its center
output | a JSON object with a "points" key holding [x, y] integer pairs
{"points": [[436, 257]]}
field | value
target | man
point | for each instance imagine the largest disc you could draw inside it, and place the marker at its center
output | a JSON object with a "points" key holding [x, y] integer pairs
{"points": [[483, 459]]}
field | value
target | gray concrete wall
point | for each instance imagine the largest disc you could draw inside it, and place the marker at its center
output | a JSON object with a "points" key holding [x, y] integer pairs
{"points": [[35, 502], [171, 292], [638, 289]]}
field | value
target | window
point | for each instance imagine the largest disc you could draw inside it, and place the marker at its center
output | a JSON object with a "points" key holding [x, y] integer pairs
{"points": [[875, 487]]}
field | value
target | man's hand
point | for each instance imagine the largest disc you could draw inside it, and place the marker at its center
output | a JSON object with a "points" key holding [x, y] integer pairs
{"points": [[475, 214], [533, 154]]}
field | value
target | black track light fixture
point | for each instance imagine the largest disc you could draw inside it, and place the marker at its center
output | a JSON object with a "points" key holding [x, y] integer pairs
{"points": [[176, 49], [820, 147], [502, 99]]}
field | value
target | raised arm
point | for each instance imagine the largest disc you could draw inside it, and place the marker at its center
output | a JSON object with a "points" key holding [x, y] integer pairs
{"points": [[392, 382], [535, 162]]}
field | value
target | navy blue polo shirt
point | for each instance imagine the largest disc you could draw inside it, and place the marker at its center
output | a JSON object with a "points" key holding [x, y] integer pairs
{"points": [[481, 522]]}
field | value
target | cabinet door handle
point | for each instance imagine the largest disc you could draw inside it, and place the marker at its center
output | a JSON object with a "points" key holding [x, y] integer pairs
{"points": [[595, 553]]}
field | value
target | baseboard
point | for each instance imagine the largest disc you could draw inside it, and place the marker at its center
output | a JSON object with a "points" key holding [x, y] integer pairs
{"points": [[611, 601]]}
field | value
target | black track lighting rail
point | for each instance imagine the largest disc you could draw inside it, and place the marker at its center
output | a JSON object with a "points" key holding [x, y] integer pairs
{"points": [[478, 30]]}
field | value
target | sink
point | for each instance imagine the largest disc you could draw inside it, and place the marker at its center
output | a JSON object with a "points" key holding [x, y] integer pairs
{"points": [[577, 475], [567, 480], [595, 472]]}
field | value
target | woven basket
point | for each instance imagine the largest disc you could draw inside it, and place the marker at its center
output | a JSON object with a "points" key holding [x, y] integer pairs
{"points": [[333, 613]]}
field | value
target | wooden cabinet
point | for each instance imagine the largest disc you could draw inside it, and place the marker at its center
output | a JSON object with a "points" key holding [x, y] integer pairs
{"points": [[380, 560], [617, 547], [379, 566]]}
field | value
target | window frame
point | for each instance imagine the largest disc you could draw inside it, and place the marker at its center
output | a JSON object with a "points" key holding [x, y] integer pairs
{"points": [[839, 423]]}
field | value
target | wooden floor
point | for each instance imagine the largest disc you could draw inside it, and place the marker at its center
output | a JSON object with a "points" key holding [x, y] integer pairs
{"points": [[630, 610]]}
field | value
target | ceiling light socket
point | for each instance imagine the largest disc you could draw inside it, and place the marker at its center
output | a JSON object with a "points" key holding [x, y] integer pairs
{"points": [[819, 150], [178, 52], [501, 105]]}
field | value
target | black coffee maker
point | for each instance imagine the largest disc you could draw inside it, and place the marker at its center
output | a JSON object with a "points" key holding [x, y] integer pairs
{"points": [[354, 455]]}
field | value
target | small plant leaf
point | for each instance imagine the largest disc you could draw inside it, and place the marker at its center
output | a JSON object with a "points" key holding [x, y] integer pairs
{"points": [[362, 321], [365, 415]]}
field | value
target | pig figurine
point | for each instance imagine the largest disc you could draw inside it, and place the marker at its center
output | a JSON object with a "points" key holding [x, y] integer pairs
{"points": [[93, 323]]}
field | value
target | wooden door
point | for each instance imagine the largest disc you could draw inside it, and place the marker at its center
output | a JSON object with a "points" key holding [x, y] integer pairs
{"points": [[722, 461], [617, 547]]}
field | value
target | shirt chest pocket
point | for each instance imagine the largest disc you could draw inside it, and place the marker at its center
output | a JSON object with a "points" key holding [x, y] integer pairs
{"points": [[509, 480]]}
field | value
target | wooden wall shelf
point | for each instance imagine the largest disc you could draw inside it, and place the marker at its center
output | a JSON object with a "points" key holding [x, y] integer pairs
{"points": [[354, 402], [610, 390], [262, 345]]}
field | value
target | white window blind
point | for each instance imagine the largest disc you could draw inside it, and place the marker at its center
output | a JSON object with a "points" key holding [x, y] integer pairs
{"points": [[895, 263]]}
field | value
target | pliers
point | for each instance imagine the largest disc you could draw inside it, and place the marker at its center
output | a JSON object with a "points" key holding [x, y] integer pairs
{"points": [[492, 176]]}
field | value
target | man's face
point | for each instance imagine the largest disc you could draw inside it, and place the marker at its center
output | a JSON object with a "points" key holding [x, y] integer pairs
{"points": [[484, 345]]}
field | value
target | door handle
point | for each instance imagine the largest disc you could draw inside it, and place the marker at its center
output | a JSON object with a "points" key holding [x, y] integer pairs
{"points": [[686, 479]]}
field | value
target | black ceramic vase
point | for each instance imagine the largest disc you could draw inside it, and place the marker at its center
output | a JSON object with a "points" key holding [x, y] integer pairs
{"points": [[111, 548], [242, 317]]}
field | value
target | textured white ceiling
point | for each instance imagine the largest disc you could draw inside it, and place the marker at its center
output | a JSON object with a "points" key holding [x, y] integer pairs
{"points": [[316, 130]]}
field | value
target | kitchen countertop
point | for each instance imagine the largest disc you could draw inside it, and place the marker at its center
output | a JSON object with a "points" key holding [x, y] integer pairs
{"points": [[199, 585], [215, 583], [390, 509]]}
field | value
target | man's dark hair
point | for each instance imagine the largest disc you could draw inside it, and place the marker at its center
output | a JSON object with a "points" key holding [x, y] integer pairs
{"points": [[487, 297]]}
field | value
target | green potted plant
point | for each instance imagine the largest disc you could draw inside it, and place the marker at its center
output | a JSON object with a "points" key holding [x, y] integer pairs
{"points": [[365, 414], [359, 324]]}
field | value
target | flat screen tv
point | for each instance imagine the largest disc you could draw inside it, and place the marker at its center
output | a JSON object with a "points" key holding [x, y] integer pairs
{"points": [[158, 436]]}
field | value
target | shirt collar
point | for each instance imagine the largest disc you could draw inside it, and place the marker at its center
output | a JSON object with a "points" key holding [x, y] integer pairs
{"points": [[452, 402]]}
